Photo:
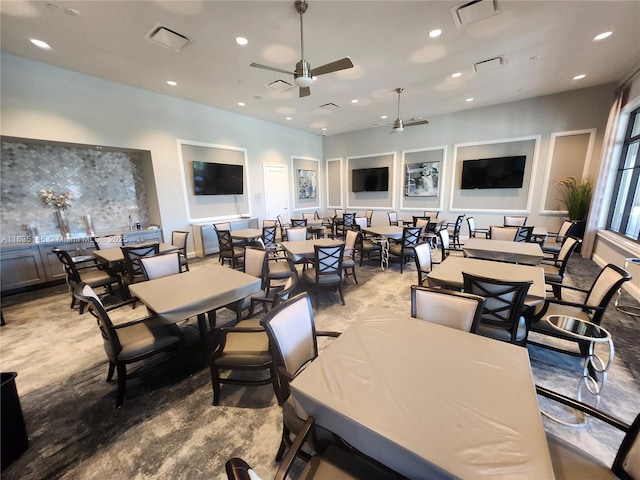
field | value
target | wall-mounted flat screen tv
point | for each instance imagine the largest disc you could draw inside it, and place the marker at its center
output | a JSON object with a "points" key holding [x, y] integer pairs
{"points": [[499, 172], [370, 179], [217, 179]]}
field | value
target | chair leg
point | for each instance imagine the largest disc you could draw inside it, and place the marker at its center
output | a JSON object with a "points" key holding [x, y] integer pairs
{"points": [[317, 295], [340, 291], [215, 383], [122, 383], [211, 315], [353, 270], [112, 368], [557, 291]]}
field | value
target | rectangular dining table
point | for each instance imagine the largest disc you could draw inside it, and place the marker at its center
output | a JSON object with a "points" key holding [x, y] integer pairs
{"points": [[449, 273], [114, 256], [528, 253], [427, 400], [305, 248], [194, 293], [246, 234]]}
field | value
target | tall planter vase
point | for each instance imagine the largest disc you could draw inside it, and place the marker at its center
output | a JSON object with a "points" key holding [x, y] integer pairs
{"points": [[64, 225]]}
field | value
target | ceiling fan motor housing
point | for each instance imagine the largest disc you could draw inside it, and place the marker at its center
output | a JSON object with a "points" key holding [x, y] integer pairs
{"points": [[302, 75]]}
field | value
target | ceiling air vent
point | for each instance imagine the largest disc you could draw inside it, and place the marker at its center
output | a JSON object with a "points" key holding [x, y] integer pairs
{"points": [[166, 37], [330, 107], [473, 11], [486, 65], [279, 86]]}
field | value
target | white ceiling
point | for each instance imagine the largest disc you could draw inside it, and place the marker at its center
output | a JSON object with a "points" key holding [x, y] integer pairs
{"points": [[544, 45]]}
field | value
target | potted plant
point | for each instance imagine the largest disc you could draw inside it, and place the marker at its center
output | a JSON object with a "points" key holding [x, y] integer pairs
{"points": [[576, 197]]}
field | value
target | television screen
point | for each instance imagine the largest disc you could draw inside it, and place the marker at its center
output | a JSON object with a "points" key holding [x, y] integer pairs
{"points": [[500, 172], [370, 179], [217, 179]]}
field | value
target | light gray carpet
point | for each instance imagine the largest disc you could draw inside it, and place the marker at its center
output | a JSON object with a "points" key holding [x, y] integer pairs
{"points": [[168, 428]]}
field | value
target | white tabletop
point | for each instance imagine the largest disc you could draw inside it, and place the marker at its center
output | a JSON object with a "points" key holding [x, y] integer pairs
{"points": [[115, 255], [450, 271], [305, 248], [387, 231], [528, 253], [427, 400], [246, 233], [178, 297]]}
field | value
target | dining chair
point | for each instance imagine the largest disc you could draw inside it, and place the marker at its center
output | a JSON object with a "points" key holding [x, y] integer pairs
{"points": [[503, 233], [88, 274], [327, 269], [127, 343], [393, 218], [362, 223], [591, 309], [255, 264], [566, 229], [179, 239], [348, 259], [161, 265], [228, 250], [423, 261], [446, 307], [405, 249], [454, 231], [309, 215], [277, 293], [570, 463], [293, 342], [524, 234], [369, 216], [514, 221], [444, 241], [348, 220], [474, 231], [501, 317], [299, 222], [269, 223], [554, 267], [368, 248], [297, 234], [333, 463], [132, 265], [104, 242]]}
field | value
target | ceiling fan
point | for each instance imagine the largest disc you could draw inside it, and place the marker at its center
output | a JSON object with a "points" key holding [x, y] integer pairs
{"points": [[304, 75], [398, 125]]}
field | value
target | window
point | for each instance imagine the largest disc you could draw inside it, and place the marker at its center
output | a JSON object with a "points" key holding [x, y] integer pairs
{"points": [[624, 217]]}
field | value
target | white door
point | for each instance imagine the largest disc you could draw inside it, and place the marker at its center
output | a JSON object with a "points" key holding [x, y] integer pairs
{"points": [[276, 191]]}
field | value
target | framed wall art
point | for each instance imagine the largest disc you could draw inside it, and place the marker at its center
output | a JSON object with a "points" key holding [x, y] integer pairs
{"points": [[307, 184], [421, 179]]}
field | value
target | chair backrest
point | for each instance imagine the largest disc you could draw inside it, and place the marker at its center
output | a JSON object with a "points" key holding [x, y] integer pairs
{"points": [[410, 237], [445, 243], [339, 212], [108, 241], [393, 218], [568, 247], [298, 222], [503, 301], [369, 216], [289, 286], [429, 213], [179, 239], [161, 265], [292, 338], [70, 269], [348, 219], [225, 242], [503, 233], [327, 260], [564, 230], [222, 226], [132, 255], [351, 238], [309, 215], [269, 223], [269, 235], [296, 234], [514, 221], [422, 223], [111, 342], [458, 225], [362, 222], [627, 462], [524, 234], [606, 284], [255, 262], [446, 307], [423, 260], [471, 223]]}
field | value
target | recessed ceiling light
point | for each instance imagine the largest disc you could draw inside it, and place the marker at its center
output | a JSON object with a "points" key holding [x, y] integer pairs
{"points": [[579, 77], [287, 118], [533, 58], [172, 83], [435, 33], [41, 44], [241, 104], [355, 100], [241, 41], [470, 99], [456, 75], [324, 129], [602, 36], [383, 116]]}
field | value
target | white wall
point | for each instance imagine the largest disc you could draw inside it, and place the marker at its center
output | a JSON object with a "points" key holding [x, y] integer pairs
{"points": [[49, 103]]}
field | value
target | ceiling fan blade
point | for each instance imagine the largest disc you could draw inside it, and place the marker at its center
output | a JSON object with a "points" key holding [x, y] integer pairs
{"points": [[305, 92], [273, 69], [418, 122], [341, 64]]}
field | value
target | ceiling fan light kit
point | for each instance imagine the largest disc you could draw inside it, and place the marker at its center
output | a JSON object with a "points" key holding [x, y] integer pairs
{"points": [[304, 75]]}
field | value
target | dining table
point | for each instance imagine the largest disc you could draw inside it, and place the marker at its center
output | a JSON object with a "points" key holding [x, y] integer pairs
{"points": [[112, 257], [427, 400], [305, 249], [381, 234], [194, 293], [246, 234], [449, 274], [528, 253]]}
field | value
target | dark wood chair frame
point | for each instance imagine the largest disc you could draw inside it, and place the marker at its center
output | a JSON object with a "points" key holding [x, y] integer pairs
{"points": [[410, 238], [327, 261]]}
